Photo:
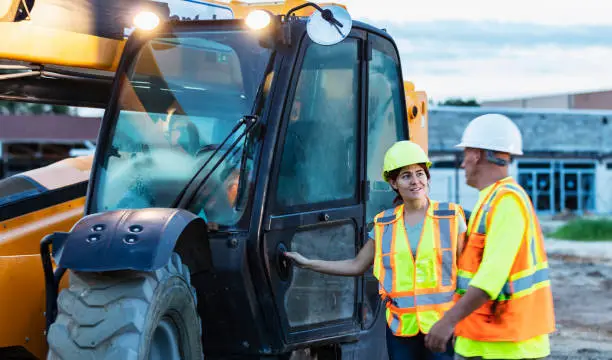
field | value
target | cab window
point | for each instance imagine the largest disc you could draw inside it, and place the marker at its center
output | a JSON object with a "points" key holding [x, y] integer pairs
{"points": [[319, 159]]}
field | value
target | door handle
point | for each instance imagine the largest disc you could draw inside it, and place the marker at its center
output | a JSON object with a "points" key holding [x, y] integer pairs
{"points": [[283, 263]]}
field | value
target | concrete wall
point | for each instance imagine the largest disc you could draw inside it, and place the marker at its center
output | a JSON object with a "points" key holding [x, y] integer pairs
{"points": [[443, 187], [444, 183], [518, 103], [549, 102], [598, 100], [542, 102], [591, 100]]}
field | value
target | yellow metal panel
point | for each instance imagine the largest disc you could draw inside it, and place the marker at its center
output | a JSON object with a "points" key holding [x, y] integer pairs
{"points": [[22, 303], [23, 41], [242, 9], [22, 235], [417, 108], [22, 287], [8, 8]]}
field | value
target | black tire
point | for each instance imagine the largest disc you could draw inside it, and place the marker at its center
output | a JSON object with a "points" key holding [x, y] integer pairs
{"points": [[127, 315]]}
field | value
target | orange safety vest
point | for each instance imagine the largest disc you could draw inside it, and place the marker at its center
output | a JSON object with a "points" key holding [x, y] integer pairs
{"points": [[524, 307], [417, 292]]}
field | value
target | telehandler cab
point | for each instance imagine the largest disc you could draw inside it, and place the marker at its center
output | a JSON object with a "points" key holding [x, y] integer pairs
{"points": [[225, 143]]}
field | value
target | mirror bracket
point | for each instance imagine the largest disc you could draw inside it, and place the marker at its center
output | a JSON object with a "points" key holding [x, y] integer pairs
{"points": [[329, 25]]}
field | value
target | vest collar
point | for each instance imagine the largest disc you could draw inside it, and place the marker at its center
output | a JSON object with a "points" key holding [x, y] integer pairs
{"points": [[399, 210], [505, 180]]}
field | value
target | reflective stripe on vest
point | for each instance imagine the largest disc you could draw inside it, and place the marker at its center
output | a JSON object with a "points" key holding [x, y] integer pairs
{"points": [[524, 308], [516, 285], [417, 288], [385, 244], [407, 302], [445, 243]]}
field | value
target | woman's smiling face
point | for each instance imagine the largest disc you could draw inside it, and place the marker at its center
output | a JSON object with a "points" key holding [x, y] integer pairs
{"points": [[411, 183]]}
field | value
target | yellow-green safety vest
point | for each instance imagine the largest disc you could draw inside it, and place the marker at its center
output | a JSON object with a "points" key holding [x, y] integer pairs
{"points": [[416, 292]]}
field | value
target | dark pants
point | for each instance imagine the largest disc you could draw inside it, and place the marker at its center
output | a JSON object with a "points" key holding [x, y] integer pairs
{"points": [[413, 348]]}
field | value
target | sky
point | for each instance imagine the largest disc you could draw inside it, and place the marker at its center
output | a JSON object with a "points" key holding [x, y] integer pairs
{"points": [[497, 49]]}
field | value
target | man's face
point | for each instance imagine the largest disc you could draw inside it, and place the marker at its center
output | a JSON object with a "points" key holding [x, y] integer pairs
{"points": [[471, 157]]}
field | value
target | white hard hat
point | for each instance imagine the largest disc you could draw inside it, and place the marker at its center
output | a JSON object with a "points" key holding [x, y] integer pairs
{"points": [[493, 132]]}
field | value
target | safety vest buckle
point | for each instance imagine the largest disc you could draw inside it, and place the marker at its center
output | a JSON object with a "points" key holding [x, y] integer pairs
{"points": [[386, 299]]}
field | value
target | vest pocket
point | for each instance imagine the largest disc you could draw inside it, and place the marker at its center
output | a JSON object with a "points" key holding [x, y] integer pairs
{"points": [[492, 311], [426, 272], [472, 254]]}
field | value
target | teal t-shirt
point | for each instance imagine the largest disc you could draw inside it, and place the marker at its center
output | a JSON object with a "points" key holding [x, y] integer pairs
{"points": [[412, 232]]}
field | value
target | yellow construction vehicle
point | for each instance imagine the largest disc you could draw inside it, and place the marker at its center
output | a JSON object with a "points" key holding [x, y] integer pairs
{"points": [[33, 204], [231, 133]]}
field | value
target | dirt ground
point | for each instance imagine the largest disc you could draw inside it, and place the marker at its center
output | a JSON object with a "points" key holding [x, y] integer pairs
{"points": [[582, 289]]}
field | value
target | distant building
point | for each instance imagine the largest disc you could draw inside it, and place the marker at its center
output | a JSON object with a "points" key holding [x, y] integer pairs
{"points": [[32, 141], [586, 100], [566, 166]]}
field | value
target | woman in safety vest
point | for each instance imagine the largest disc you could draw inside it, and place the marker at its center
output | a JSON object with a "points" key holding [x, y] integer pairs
{"points": [[414, 252]]}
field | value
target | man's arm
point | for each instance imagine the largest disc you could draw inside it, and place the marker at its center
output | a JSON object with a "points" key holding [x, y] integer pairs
{"points": [[504, 238], [470, 301]]}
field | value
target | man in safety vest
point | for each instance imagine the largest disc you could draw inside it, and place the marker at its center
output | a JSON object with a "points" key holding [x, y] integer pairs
{"points": [[504, 305]]}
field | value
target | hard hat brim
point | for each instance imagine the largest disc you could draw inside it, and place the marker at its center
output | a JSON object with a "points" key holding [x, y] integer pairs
{"points": [[492, 148], [427, 164]]}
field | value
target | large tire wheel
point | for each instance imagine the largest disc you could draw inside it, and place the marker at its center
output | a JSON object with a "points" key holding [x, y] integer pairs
{"points": [[128, 315]]}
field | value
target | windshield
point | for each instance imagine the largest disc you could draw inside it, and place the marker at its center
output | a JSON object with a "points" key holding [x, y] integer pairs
{"points": [[178, 102]]}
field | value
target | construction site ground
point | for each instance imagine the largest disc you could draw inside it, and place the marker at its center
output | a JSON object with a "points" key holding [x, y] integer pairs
{"points": [[582, 289]]}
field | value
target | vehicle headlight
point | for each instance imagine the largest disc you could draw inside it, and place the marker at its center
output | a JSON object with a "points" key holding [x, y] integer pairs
{"points": [[258, 19], [146, 20]]}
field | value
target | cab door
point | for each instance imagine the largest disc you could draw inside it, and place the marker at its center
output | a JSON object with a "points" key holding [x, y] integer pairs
{"points": [[386, 123], [316, 206]]}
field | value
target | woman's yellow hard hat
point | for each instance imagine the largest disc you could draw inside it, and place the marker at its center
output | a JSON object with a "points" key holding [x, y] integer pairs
{"points": [[403, 153]]}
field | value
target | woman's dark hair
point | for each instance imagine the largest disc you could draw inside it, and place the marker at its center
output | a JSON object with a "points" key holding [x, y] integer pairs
{"points": [[395, 173]]}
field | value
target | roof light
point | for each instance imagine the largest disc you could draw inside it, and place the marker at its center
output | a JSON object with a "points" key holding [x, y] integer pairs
{"points": [[258, 19], [146, 20]]}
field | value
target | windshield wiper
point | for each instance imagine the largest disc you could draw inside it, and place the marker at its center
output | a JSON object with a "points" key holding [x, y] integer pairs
{"points": [[182, 198]]}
